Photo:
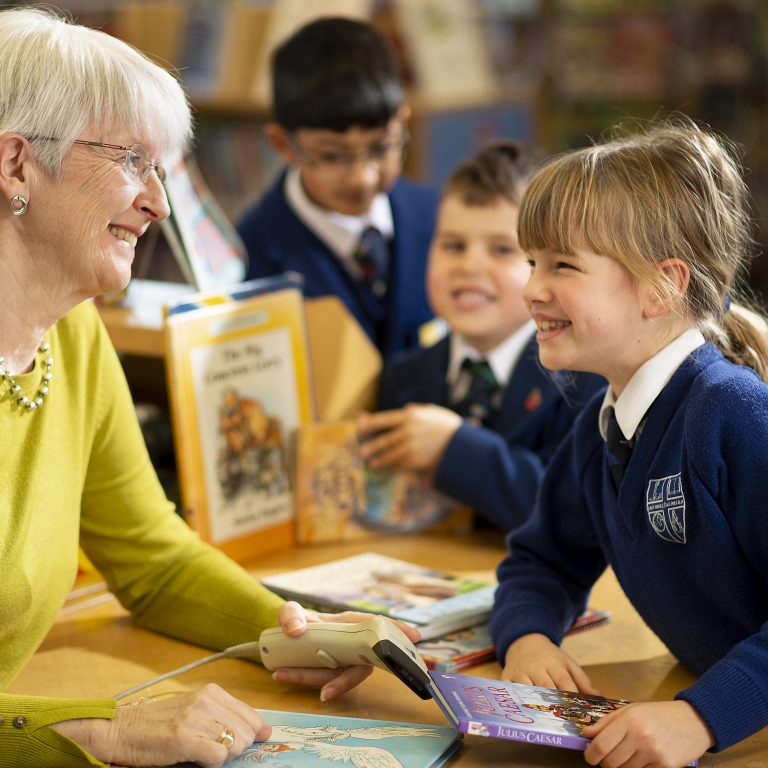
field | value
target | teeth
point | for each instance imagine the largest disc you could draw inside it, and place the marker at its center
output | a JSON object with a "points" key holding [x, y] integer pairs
{"points": [[551, 325], [124, 234], [471, 296]]}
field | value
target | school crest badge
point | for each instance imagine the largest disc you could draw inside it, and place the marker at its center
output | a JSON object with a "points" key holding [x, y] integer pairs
{"points": [[665, 506]]}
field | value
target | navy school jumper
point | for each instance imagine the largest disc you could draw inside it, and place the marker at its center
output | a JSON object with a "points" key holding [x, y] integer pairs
{"points": [[495, 470], [687, 537], [277, 241]]}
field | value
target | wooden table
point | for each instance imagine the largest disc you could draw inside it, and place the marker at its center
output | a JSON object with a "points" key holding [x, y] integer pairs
{"points": [[98, 651]]}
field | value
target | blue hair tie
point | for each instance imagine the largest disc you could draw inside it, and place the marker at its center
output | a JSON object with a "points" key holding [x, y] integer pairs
{"points": [[726, 302]]}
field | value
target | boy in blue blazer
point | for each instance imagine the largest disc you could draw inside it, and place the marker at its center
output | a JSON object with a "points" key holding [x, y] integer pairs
{"points": [[477, 409], [339, 214]]}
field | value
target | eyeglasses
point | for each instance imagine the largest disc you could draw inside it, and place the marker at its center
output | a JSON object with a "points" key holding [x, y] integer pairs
{"points": [[137, 160], [334, 161]]}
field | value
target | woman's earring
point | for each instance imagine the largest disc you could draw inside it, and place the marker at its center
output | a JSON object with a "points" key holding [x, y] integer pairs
{"points": [[18, 205]]}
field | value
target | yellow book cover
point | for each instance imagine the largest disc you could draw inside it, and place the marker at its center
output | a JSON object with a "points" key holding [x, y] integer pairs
{"points": [[239, 386]]}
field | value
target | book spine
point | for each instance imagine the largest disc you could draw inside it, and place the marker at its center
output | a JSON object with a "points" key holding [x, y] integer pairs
{"points": [[531, 736], [477, 600]]}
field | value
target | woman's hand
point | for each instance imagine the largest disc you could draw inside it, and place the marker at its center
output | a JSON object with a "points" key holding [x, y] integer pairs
{"points": [[414, 437], [535, 660], [332, 682], [664, 734], [182, 728]]}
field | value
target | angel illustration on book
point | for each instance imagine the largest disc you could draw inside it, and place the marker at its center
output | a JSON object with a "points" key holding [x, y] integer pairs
{"points": [[323, 742]]}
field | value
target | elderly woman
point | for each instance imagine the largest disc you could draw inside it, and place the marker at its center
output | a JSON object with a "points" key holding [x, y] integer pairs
{"points": [[85, 121]]}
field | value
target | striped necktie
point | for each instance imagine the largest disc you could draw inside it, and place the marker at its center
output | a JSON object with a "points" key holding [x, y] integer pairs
{"points": [[372, 257], [477, 404]]}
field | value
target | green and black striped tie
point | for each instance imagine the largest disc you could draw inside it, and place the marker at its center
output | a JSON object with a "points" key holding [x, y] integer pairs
{"points": [[477, 404]]}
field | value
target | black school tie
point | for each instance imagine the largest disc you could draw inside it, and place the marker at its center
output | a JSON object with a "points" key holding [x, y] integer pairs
{"points": [[477, 404], [619, 450], [372, 257]]}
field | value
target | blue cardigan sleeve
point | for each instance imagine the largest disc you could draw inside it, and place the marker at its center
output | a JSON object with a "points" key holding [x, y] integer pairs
{"points": [[553, 560]]}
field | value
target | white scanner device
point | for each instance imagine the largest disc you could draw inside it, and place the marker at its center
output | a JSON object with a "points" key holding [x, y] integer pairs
{"points": [[375, 641]]}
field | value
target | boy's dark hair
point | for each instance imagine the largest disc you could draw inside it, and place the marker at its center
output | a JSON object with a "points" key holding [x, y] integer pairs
{"points": [[335, 73], [500, 170]]}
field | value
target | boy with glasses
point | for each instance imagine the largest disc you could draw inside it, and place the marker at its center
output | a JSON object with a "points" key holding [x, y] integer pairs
{"points": [[339, 214]]}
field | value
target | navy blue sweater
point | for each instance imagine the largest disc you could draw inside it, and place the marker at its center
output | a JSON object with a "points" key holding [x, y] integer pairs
{"points": [[509, 456], [278, 241], [687, 538]]}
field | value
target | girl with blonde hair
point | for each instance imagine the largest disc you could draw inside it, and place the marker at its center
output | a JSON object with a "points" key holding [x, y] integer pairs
{"points": [[636, 247]]}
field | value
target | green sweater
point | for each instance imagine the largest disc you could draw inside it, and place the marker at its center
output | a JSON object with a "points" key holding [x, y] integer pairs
{"points": [[77, 471]]}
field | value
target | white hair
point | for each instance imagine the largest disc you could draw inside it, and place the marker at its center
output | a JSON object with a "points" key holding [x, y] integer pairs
{"points": [[58, 78]]}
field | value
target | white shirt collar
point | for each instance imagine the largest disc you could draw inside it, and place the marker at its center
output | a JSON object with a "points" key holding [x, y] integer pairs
{"points": [[502, 358], [339, 232], [646, 384]]}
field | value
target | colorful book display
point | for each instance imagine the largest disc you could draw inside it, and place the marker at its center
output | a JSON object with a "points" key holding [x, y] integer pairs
{"points": [[471, 646], [436, 602], [237, 367], [340, 498]]}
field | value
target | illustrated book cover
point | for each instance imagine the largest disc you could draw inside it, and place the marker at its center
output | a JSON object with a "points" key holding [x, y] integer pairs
{"points": [[435, 601], [472, 645], [340, 498], [208, 249], [527, 713], [238, 374], [301, 741]]}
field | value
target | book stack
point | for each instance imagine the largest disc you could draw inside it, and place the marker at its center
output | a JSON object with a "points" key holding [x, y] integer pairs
{"points": [[471, 646], [436, 602]]}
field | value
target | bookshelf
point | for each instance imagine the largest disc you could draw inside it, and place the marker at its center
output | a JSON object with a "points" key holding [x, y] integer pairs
{"points": [[560, 72]]}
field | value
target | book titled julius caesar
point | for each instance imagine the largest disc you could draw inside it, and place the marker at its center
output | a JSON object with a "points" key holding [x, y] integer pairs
{"points": [[527, 713]]}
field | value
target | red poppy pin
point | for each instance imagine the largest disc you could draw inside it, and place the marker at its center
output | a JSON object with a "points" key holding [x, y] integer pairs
{"points": [[533, 400]]}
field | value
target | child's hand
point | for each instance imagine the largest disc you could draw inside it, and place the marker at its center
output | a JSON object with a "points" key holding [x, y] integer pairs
{"points": [[665, 734], [535, 660], [413, 437]]}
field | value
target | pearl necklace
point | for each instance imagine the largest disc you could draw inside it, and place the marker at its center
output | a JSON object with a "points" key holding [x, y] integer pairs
{"points": [[37, 401]]}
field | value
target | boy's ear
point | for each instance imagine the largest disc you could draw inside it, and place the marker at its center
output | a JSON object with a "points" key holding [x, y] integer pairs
{"points": [[277, 136], [14, 155], [675, 275]]}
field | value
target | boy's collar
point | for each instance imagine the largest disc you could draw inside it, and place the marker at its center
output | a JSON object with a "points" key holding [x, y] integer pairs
{"points": [[341, 233], [501, 358]]}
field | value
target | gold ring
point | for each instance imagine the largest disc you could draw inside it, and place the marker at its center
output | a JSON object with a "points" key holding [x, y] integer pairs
{"points": [[226, 737]]}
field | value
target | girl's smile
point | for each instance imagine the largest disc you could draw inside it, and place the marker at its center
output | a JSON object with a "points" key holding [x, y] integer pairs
{"points": [[592, 315]]}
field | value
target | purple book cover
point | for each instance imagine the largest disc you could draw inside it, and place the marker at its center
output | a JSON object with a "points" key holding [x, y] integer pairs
{"points": [[520, 712], [496, 708]]}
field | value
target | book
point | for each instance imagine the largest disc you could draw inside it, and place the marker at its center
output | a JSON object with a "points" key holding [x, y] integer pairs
{"points": [[435, 601], [238, 378], [340, 498], [203, 241], [446, 50], [471, 646], [325, 740], [527, 713], [330, 483]]}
